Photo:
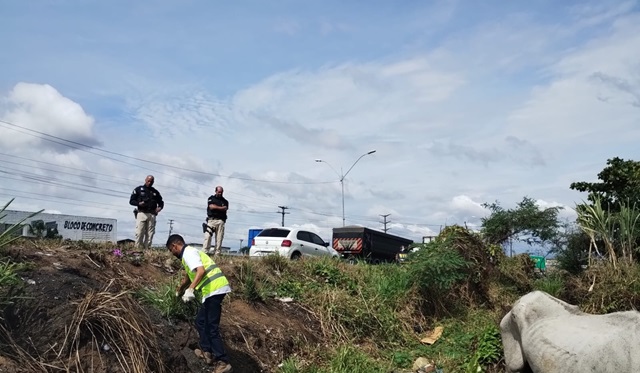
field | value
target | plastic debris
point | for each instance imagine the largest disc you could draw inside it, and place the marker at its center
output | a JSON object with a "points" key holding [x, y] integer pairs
{"points": [[432, 337]]}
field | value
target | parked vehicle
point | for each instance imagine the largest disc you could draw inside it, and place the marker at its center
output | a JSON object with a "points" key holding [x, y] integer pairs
{"points": [[292, 243], [361, 243]]}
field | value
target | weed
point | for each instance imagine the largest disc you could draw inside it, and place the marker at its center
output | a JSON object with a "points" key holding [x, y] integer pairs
{"points": [[8, 273], [488, 350], [290, 365], [551, 283], [402, 359], [326, 270], [276, 262], [391, 283], [170, 306], [349, 359], [290, 288], [247, 279]]}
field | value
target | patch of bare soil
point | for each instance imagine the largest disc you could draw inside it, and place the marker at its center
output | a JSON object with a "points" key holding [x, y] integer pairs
{"points": [[37, 329]]}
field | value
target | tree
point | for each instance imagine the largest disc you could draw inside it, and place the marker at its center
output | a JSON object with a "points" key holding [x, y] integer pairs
{"points": [[620, 183], [526, 223]]}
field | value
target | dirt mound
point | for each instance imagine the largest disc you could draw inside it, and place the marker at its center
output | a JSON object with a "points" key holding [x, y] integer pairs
{"points": [[70, 292]]}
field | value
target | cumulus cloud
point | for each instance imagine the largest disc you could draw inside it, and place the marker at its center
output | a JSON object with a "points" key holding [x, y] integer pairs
{"points": [[566, 212], [40, 107], [465, 204]]}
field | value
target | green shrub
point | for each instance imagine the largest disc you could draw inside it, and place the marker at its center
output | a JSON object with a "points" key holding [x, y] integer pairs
{"points": [[614, 289], [517, 273], [488, 350], [435, 270]]}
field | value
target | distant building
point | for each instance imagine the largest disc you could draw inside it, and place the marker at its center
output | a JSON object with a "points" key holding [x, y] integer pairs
{"points": [[72, 227]]}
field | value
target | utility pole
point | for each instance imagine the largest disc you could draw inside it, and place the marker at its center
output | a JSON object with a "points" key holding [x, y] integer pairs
{"points": [[283, 213], [385, 222], [170, 226]]}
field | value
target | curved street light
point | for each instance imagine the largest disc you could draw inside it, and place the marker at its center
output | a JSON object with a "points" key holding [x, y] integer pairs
{"points": [[343, 175]]}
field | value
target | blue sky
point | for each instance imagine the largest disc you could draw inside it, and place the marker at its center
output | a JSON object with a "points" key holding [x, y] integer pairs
{"points": [[465, 102]]}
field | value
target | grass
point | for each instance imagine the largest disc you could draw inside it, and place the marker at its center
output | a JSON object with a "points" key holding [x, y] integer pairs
{"points": [[345, 359], [551, 283], [112, 319], [381, 307], [164, 299]]}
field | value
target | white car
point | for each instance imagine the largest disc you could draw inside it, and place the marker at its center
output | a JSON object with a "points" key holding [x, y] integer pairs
{"points": [[292, 243]]}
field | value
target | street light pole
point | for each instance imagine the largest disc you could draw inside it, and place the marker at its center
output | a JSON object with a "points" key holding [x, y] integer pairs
{"points": [[342, 175]]}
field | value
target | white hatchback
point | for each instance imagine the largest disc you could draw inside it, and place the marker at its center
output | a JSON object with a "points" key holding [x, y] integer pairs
{"points": [[291, 243]]}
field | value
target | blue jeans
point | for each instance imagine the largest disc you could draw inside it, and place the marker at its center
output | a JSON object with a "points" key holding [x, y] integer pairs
{"points": [[208, 326]]}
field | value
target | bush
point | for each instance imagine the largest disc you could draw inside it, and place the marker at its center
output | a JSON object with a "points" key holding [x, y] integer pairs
{"points": [[517, 273], [613, 289]]}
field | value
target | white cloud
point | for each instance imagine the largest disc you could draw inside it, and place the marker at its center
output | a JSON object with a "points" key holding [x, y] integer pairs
{"points": [[467, 205], [40, 107], [594, 94], [566, 212]]}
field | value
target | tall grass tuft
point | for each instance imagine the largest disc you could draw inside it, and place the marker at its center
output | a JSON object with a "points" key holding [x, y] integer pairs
{"points": [[249, 283], [114, 320]]}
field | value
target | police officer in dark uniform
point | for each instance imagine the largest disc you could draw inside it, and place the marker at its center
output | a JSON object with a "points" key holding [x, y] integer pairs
{"points": [[217, 207], [148, 203]]}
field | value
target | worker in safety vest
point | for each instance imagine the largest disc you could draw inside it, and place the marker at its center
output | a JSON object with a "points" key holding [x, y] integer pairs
{"points": [[202, 274]]}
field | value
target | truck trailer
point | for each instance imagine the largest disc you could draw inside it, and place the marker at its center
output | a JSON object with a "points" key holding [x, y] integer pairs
{"points": [[361, 243]]}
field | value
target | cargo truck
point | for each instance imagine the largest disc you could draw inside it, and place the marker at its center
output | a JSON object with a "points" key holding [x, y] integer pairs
{"points": [[361, 243]]}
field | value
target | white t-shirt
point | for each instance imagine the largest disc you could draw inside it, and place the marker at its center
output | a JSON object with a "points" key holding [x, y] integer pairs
{"points": [[191, 257]]}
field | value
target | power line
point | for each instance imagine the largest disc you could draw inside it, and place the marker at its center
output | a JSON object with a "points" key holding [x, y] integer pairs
{"points": [[85, 147], [114, 193], [160, 185]]}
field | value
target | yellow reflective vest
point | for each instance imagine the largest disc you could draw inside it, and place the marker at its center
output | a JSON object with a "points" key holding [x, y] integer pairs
{"points": [[213, 278]]}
